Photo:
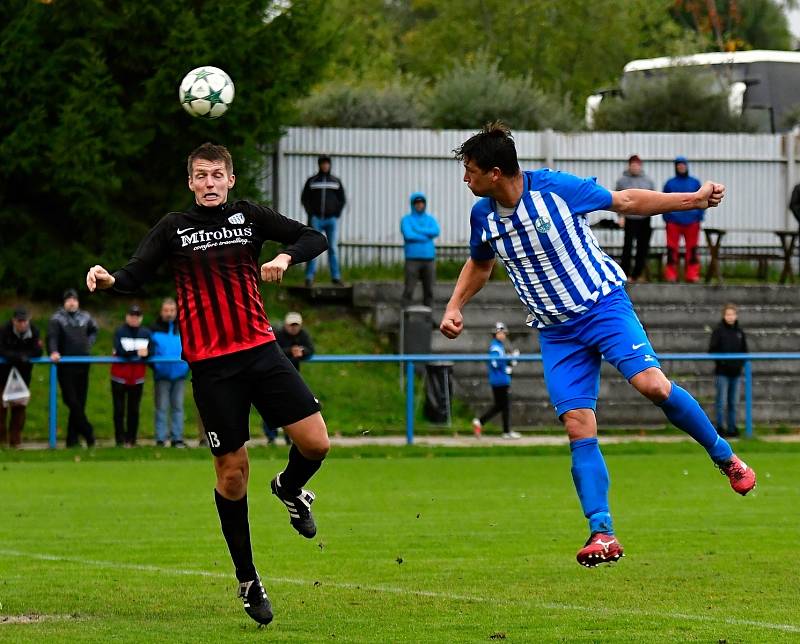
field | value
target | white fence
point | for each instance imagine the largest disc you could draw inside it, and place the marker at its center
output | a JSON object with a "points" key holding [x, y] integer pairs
{"points": [[380, 168]]}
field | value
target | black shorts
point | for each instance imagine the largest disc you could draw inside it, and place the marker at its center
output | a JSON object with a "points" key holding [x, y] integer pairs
{"points": [[225, 387]]}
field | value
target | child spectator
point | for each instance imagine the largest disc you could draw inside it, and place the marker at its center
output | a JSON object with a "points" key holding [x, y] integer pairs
{"points": [[500, 381], [727, 337], [127, 378]]}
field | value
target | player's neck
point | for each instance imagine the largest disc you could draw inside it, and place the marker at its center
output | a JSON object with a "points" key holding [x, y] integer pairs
{"points": [[508, 191]]}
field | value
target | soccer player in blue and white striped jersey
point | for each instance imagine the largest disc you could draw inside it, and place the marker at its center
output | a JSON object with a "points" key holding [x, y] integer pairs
{"points": [[535, 222]]}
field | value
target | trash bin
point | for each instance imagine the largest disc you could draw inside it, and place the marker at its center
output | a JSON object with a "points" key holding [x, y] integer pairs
{"points": [[438, 391], [416, 330]]}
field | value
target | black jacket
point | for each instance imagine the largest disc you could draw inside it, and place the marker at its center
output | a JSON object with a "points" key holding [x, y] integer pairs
{"points": [[323, 196], [17, 351], [286, 341], [728, 338], [794, 202], [71, 334]]}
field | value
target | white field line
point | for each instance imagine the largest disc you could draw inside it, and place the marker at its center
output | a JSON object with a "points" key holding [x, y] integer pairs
{"points": [[604, 610]]}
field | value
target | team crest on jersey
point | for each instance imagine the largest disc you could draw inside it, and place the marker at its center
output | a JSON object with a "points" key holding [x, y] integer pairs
{"points": [[542, 224], [238, 218]]}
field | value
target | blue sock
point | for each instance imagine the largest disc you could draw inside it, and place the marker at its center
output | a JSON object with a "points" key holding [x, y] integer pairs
{"points": [[685, 413], [591, 482]]}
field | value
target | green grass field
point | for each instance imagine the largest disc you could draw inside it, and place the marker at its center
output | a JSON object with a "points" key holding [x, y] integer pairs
{"points": [[414, 545]]}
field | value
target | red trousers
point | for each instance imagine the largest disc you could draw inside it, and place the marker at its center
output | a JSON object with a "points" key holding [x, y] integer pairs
{"points": [[690, 233]]}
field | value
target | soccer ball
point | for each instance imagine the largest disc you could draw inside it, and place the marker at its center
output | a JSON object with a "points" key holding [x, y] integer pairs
{"points": [[206, 92]]}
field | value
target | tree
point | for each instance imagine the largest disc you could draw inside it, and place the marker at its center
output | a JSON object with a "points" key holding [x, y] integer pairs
{"points": [[681, 101], [92, 137], [730, 25]]}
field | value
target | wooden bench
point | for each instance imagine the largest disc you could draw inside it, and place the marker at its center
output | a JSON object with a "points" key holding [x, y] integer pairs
{"points": [[762, 255]]}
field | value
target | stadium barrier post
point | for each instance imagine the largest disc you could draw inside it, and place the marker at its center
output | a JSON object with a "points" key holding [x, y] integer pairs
{"points": [[409, 402], [748, 399], [53, 405]]}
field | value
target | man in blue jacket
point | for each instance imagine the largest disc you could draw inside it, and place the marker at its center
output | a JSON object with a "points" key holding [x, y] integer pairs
{"points": [[684, 224], [170, 377], [419, 230]]}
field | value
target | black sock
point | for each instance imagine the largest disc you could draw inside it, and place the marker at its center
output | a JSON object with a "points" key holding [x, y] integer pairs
{"points": [[298, 471], [236, 529]]}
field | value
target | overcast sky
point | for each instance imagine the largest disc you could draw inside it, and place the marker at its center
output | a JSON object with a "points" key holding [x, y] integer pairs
{"points": [[794, 22]]}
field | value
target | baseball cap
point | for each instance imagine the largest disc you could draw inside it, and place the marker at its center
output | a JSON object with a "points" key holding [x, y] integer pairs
{"points": [[21, 313], [499, 326], [634, 157], [134, 309], [293, 317], [70, 292]]}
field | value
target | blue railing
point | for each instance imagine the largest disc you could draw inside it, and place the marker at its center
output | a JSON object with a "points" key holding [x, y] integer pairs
{"points": [[409, 360]]}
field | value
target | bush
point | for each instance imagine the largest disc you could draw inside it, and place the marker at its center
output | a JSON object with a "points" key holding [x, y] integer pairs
{"points": [[473, 93], [394, 105], [680, 101]]}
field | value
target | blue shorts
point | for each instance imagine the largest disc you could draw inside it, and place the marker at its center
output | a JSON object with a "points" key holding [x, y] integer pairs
{"points": [[572, 351]]}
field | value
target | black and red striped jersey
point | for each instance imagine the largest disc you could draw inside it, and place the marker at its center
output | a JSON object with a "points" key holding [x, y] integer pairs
{"points": [[213, 254]]}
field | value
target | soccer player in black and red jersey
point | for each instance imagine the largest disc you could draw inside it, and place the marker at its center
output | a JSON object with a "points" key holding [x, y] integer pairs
{"points": [[213, 249]]}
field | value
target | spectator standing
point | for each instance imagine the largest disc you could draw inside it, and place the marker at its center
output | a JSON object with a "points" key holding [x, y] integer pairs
{"points": [[169, 377], [637, 227], [794, 206], [500, 381], [684, 224], [19, 342], [296, 343], [419, 229], [72, 332], [727, 337], [131, 342], [323, 199]]}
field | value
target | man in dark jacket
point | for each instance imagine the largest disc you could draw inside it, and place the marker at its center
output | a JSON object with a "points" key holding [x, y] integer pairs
{"points": [[727, 337], [323, 199], [637, 228], [72, 332], [131, 342], [794, 206], [19, 342], [297, 345], [170, 377]]}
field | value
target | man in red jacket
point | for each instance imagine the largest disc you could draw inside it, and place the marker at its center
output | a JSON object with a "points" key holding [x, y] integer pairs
{"points": [[131, 341]]}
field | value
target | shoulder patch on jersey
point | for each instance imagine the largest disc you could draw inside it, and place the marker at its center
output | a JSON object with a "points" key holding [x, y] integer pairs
{"points": [[237, 218], [542, 224]]}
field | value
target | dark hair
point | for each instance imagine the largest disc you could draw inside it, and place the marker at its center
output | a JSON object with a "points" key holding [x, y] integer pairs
{"points": [[210, 152], [492, 147]]}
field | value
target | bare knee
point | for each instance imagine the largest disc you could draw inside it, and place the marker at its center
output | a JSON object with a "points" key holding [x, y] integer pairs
{"points": [[232, 474], [310, 435], [315, 449], [652, 384], [580, 423]]}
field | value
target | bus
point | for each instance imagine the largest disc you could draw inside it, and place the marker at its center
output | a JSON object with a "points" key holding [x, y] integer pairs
{"points": [[763, 85]]}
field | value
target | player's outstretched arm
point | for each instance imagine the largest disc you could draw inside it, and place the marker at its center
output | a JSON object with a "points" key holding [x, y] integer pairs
{"points": [[273, 270], [99, 278], [649, 202], [472, 279]]}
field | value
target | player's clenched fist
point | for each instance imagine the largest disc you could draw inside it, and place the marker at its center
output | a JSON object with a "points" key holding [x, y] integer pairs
{"points": [[99, 277], [452, 323], [273, 271]]}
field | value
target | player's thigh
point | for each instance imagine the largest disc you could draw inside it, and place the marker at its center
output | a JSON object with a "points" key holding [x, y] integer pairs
{"points": [[224, 409], [571, 372], [620, 337], [277, 390]]}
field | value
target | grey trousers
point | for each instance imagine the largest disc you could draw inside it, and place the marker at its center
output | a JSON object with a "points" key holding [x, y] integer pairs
{"points": [[419, 269]]}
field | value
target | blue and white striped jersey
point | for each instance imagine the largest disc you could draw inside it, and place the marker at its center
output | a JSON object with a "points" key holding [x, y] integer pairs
{"points": [[554, 260]]}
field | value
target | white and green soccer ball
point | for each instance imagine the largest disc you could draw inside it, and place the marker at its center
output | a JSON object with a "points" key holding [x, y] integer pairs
{"points": [[206, 92]]}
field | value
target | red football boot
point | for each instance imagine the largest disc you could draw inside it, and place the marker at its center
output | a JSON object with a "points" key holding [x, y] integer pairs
{"points": [[742, 477], [600, 548]]}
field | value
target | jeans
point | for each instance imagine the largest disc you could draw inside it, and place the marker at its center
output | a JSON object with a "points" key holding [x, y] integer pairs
{"points": [[727, 391], [329, 226], [169, 396]]}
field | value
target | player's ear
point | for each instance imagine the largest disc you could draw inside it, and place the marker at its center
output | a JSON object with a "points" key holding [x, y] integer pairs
{"points": [[231, 180]]}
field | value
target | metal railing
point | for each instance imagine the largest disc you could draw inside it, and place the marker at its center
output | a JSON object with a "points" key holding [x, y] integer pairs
{"points": [[409, 360]]}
